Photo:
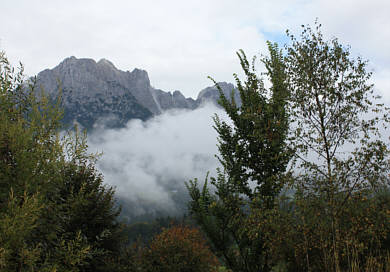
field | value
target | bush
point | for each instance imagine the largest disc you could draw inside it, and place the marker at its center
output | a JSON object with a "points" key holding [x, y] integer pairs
{"points": [[179, 248]]}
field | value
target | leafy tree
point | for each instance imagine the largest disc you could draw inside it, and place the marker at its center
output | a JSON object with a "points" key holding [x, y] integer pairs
{"points": [[338, 219], [343, 163], [254, 157], [179, 249]]}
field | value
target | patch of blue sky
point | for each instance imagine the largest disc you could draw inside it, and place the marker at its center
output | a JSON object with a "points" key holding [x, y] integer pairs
{"points": [[279, 37]]}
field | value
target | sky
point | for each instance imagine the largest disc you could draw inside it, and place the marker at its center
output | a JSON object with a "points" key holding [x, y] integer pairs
{"points": [[180, 43]]}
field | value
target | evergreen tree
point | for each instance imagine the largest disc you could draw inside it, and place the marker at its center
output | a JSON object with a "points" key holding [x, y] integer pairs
{"points": [[55, 213], [88, 206]]}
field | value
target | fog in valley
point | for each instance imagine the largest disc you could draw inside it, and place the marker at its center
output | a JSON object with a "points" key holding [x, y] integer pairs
{"points": [[149, 162]]}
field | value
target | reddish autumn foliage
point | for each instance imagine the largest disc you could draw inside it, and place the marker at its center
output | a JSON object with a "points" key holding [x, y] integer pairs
{"points": [[180, 248]]}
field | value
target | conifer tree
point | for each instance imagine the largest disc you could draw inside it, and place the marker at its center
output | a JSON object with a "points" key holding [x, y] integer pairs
{"points": [[55, 212]]}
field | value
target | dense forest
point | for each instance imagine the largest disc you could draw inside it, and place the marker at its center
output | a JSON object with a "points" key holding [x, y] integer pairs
{"points": [[304, 182]]}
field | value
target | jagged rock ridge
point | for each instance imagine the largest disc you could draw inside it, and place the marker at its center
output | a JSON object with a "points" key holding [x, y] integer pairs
{"points": [[98, 91], [212, 94]]}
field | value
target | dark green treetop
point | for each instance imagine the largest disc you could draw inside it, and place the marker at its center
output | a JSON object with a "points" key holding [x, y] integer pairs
{"points": [[254, 157]]}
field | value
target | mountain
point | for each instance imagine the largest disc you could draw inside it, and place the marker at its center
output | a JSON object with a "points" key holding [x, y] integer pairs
{"points": [[212, 94], [96, 93]]}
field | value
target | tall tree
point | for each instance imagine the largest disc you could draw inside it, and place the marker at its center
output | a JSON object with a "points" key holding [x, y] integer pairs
{"points": [[254, 157], [343, 162]]}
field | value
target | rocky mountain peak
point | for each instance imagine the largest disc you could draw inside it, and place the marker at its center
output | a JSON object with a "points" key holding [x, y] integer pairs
{"points": [[69, 59], [212, 93], [93, 91], [177, 93], [107, 63], [76, 62]]}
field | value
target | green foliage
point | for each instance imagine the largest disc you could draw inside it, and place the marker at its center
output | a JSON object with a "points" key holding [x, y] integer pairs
{"points": [[55, 212], [254, 157], [337, 217], [15, 231], [343, 162], [87, 206], [253, 148]]}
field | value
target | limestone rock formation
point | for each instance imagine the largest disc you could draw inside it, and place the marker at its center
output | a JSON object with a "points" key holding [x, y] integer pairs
{"points": [[98, 93]]}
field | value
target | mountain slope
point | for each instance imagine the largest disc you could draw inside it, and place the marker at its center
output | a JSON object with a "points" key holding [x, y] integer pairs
{"points": [[212, 94], [96, 93]]}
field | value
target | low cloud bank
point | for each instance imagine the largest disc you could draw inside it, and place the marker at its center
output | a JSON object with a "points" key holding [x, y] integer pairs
{"points": [[148, 162]]}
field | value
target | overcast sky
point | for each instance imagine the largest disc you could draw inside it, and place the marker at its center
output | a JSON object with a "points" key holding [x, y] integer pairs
{"points": [[179, 42]]}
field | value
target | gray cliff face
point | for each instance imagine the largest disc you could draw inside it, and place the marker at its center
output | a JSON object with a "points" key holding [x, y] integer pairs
{"points": [[93, 91], [212, 94], [98, 91], [168, 101], [139, 84]]}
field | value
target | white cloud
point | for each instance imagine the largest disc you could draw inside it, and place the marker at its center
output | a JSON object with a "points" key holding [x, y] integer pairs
{"points": [[147, 160]]}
